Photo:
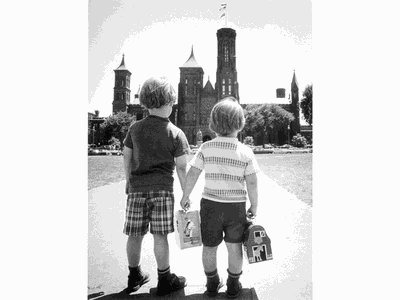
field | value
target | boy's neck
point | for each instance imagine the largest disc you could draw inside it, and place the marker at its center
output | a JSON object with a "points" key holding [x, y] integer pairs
{"points": [[162, 112], [232, 135]]}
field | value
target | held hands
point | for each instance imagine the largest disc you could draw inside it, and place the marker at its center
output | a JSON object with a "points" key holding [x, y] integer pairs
{"points": [[127, 187], [185, 203]]}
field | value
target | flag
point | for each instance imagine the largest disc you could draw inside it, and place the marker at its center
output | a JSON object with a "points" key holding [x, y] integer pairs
{"points": [[222, 15], [223, 6]]}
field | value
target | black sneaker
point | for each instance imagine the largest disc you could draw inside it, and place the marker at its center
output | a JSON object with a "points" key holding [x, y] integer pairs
{"points": [[213, 286], [136, 281], [234, 288], [170, 284]]}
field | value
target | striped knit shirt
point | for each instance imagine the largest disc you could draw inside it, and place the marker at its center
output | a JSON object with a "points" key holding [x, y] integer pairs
{"points": [[226, 162]]}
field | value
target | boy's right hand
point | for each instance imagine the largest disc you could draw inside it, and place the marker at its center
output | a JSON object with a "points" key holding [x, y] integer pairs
{"points": [[185, 203]]}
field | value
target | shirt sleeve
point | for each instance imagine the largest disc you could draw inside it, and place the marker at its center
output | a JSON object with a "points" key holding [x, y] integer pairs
{"points": [[128, 140], [252, 165], [183, 145], [198, 160]]}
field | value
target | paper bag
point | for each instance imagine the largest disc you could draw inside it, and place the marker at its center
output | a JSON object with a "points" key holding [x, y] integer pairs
{"points": [[187, 229]]}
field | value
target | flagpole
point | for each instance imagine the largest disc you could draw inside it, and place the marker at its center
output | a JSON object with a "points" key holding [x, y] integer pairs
{"points": [[224, 9], [226, 16]]}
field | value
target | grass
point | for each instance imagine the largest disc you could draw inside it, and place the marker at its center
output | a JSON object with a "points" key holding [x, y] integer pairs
{"points": [[104, 170], [291, 171]]}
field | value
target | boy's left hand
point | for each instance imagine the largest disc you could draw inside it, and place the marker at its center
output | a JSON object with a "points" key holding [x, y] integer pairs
{"points": [[127, 187], [185, 203]]}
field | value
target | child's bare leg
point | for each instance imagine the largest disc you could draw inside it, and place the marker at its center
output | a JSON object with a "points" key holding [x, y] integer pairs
{"points": [[167, 282], [235, 257], [133, 250], [209, 258], [161, 250]]}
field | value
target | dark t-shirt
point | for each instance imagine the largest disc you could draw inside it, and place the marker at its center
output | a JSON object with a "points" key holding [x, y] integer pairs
{"points": [[155, 142]]}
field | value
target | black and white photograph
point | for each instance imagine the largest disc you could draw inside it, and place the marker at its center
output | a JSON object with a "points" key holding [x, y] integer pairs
{"points": [[120, 115], [247, 62]]}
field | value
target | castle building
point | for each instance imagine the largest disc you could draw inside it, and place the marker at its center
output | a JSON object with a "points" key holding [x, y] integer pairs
{"points": [[196, 100]]}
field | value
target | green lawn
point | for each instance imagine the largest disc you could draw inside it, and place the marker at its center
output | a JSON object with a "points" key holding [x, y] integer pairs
{"points": [[104, 170], [291, 171]]}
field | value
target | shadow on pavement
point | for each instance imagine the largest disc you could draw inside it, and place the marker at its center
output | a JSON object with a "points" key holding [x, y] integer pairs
{"points": [[245, 294]]}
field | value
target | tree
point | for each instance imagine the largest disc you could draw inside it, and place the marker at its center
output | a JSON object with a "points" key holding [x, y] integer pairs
{"points": [[117, 126], [250, 125], [306, 104], [267, 119]]}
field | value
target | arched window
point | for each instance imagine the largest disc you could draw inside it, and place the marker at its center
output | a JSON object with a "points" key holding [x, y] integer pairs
{"points": [[223, 86], [226, 53], [186, 86]]}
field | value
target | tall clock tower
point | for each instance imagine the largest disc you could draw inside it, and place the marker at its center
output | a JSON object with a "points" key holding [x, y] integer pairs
{"points": [[226, 84], [122, 92]]}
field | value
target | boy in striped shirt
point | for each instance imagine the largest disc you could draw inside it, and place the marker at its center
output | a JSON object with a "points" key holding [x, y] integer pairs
{"points": [[230, 176]]}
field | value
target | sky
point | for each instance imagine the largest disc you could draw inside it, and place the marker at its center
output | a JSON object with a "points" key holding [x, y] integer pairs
{"points": [[273, 39]]}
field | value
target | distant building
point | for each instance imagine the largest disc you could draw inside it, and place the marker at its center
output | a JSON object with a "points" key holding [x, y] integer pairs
{"points": [[196, 99], [94, 134], [280, 93]]}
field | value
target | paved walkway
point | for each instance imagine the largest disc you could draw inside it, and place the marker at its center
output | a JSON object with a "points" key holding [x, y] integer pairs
{"points": [[286, 219]]}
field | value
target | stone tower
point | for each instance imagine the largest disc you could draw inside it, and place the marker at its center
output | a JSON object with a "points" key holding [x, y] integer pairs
{"points": [[189, 94], [122, 92], [226, 84], [294, 106]]}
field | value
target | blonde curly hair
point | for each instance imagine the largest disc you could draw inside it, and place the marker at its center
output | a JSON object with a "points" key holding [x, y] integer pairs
{"points": [[157, 92], [227, 116]]}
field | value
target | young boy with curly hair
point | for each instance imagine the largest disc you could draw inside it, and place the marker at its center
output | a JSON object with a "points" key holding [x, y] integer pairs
{"points": [[153, 147], [230, 169]]}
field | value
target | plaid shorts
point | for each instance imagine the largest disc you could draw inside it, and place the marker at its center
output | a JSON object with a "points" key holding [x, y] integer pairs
{"points": [[153, 207]]}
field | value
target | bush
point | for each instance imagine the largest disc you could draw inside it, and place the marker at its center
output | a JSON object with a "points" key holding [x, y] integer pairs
{"points": [[299, 141], [114, 142], [248, 140]]}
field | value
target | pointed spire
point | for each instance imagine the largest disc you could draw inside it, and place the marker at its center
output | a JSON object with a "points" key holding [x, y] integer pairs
{"points": [[136, 97], [294, 80], [208, 87], [122, 65], [123, 60], [191, 62]]}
